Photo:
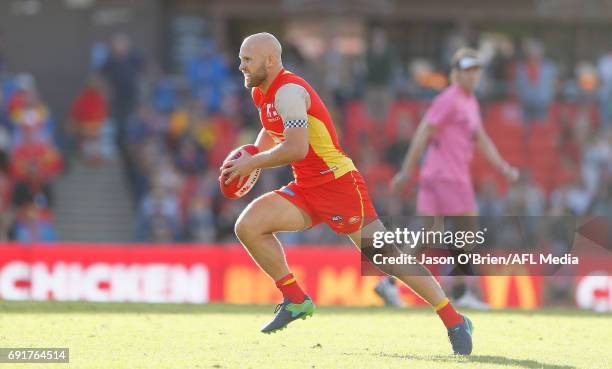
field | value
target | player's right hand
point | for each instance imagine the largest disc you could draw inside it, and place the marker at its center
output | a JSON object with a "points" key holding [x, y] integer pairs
{"points": [[510, 172], [399, 181]]}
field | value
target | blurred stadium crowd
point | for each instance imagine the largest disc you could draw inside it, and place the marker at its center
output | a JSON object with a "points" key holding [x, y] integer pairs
{"points": [[173, 131]]}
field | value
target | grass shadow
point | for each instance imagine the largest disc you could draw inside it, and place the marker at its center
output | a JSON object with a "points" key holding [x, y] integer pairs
{"points": [[484, 359], [59, 307]]}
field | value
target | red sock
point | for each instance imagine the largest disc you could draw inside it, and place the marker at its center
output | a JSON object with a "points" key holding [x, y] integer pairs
{"points": [[291, 289], [450, 317]]}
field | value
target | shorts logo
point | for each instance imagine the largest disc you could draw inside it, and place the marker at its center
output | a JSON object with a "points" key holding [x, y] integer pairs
{"points": [[288, 191], [336, 218], [354, 219], [328, 170]]}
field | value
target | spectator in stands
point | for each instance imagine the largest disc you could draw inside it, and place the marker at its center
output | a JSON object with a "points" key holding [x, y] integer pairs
{"points": [[525, 198], [335, 72], [377, 174], [293, 59], [499, 67], [201, 219], [535, 81], [571, 137], [122, 72], [207, 73], [88, 114], [5, 123], [490, 203], [601, 204], [190, 158], [34, 226], [380, 64], [399, 134], [597, 158], [6, 129], [226, 132], [604, 69], [6, 210], [573, 199], [582, 125], [427, 81], [32, 188], [144, 124], [201, 128], [145, 143], [162, 230], [586, 80], [30, 115], [226, 214], [30, 150], [158, 215]]}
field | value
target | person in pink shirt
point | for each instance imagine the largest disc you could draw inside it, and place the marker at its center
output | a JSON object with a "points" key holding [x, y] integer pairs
{"points": [[450, 130]]}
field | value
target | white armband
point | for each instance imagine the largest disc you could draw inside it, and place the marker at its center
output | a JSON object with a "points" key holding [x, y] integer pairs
{"points": [[295, 123]]}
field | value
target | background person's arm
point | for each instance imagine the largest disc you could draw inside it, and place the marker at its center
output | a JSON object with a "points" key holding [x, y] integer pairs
{"points": [[420, 141]]}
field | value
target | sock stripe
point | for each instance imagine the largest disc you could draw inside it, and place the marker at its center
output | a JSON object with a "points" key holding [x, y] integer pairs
{"points": [[290, 288], [442, 304], [282, 281]]}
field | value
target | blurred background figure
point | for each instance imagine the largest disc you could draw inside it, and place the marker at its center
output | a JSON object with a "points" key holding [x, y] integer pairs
{"points": [[604, 68], [380, 65], [89, 113], [122, 71], [207, 73], [536, 79]]}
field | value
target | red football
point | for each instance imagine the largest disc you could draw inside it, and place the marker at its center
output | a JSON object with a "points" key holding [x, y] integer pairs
{"points": [[235, 190]]}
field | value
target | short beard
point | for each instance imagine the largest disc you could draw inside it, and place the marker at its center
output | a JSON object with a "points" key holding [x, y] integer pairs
{"points": [[257, 78]]}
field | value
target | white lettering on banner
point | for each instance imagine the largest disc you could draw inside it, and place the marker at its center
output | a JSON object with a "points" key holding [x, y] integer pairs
{"points": [[75, 272], [62, 281], [125, 283], [47, 282], [189, 285], [12, 273], [155, 283], [93, 276], [595, 292]]}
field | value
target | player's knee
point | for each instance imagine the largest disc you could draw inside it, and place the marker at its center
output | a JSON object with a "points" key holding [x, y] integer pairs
{"points": [[241, 229], [245, 228]]}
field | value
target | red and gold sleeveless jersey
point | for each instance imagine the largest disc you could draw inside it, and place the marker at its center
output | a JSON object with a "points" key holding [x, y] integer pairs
{"points": [[325, 160]]}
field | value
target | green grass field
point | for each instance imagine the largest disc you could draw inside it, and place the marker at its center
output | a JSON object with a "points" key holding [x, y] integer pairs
{"points": [[227, 336]]}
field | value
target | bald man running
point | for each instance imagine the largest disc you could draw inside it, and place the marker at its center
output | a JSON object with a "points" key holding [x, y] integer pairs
{"points": [[298, 131]]}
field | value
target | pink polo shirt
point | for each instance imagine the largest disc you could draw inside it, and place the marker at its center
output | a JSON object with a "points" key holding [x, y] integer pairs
{"points": [[456, 117]]}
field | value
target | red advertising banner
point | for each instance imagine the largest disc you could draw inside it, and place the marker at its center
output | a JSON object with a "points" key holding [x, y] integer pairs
{"points": [[193, 274]]}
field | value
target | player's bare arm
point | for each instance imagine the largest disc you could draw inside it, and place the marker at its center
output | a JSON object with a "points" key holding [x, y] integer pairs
{"points": [[291, 103], [419, 143], [486, 145], [264, 141]]}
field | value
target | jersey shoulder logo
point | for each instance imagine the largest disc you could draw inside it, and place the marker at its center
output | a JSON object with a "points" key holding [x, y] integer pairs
{"points": [[271, 113]]}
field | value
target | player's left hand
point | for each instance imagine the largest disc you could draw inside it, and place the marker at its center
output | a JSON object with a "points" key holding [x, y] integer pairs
{"points": [[241, 167]]}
